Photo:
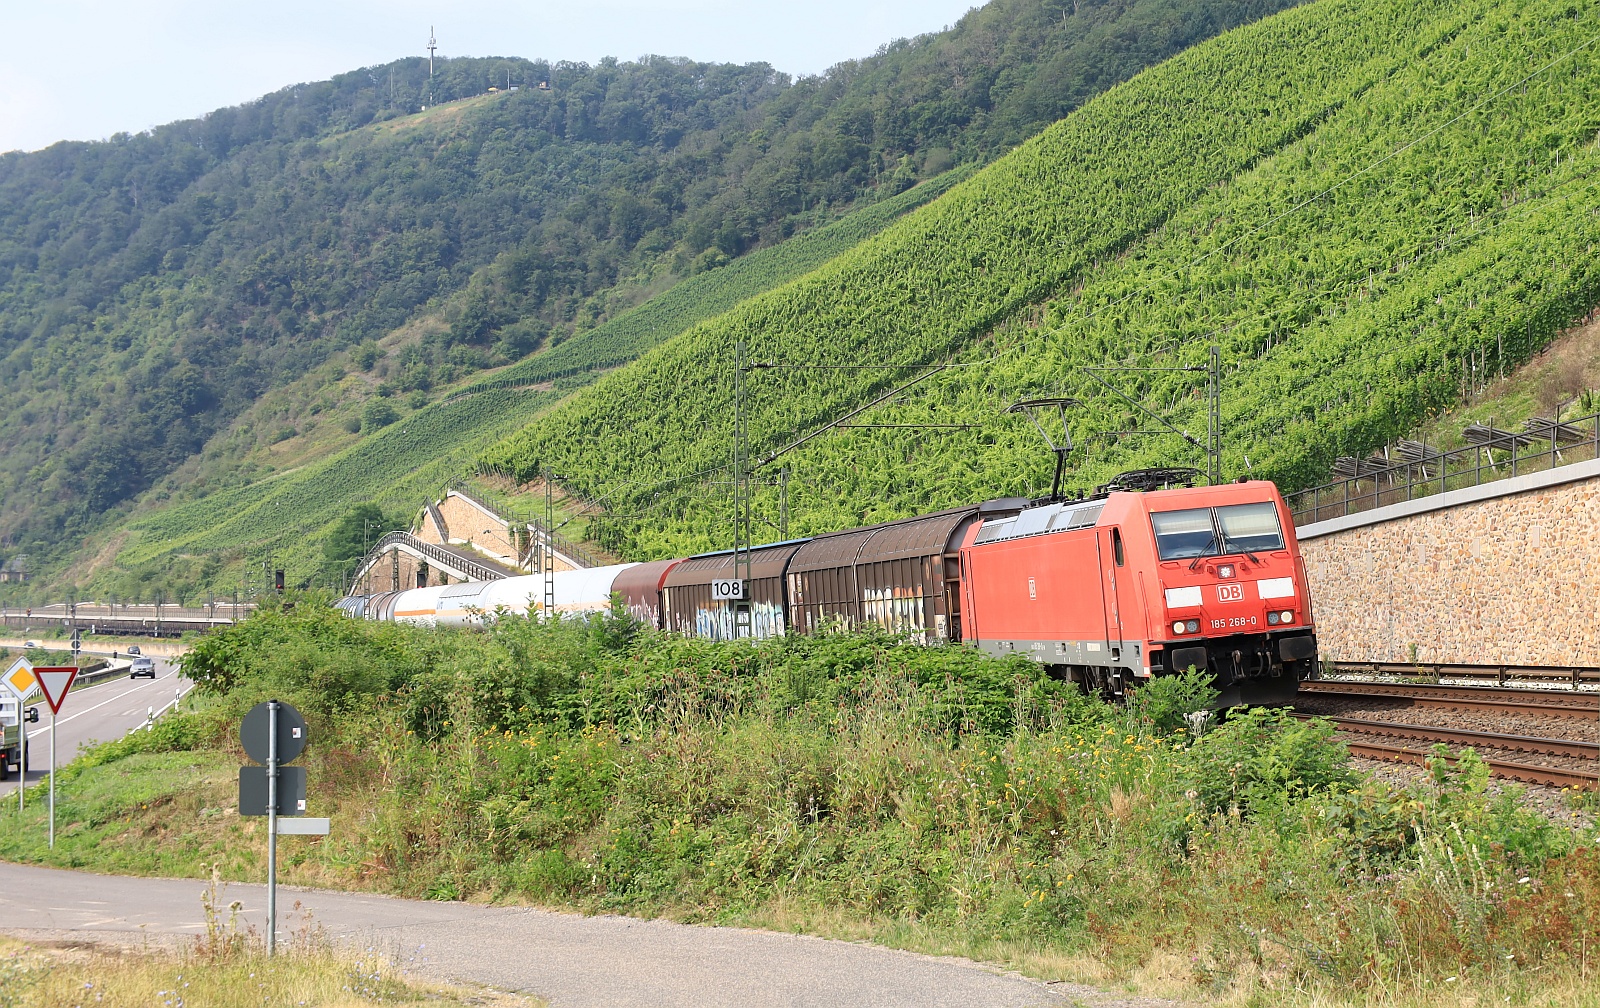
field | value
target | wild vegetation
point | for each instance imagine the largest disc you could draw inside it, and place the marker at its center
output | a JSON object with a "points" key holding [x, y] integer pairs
{"points": [[1354, 200], [855, 785], [154, 288]]}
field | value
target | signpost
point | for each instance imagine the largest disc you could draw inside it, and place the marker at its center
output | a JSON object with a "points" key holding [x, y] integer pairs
{"points": [[55, 681], [19, 679], [273, 734]]}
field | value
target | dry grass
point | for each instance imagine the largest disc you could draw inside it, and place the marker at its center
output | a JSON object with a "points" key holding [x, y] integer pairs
{"points": [[57, 974]]}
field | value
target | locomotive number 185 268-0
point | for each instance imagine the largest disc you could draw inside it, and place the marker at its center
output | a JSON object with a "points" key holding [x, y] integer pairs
{"points": [[1236, 621]]}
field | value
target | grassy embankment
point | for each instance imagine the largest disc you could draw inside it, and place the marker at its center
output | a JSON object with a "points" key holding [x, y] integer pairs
{"points": [[852, 786], [1353, 199]]}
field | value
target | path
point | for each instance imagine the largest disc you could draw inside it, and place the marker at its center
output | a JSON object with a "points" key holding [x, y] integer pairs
{"points": [[570, 960]]}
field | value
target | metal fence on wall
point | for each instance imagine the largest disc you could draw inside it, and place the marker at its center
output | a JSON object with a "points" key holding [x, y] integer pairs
{"points": [[1413, 469]]}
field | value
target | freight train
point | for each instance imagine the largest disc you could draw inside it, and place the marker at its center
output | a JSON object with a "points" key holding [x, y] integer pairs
{"points": [[1107, 590]]}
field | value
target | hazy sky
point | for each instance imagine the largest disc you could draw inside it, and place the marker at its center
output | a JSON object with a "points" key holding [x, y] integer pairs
{"points": [[84, 69]]}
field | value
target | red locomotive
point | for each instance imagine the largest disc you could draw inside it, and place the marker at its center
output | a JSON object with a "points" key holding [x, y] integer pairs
{"points": [[1117, 588]]}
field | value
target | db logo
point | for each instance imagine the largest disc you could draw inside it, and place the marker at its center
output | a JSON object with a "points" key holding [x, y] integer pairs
{"points": [[1230, 593]]}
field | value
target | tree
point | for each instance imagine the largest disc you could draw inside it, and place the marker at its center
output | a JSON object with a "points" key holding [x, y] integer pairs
{"points": [[353, 534]]}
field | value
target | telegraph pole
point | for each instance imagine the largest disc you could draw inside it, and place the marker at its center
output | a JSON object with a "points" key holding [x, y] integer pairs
{"points": [[549, 552], [433, 44], [741, 497], [1214, 416]]}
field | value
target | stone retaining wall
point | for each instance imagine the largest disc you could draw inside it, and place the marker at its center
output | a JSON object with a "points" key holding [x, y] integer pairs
{"points": [[1508, 572]]}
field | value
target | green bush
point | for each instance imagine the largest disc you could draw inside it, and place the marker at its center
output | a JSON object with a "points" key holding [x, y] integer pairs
{"points": [[378, 413], [1162, 705], [1262, 757]]}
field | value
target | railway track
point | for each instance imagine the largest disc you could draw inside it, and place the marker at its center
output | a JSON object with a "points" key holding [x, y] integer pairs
{"points": [[1527, 773], [1481, 698], [1412, 743]]}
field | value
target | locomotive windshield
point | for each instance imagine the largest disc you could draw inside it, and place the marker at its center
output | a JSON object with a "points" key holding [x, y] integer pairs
{"points": [[1238, 528], [1250, 528], [1184, 534]]}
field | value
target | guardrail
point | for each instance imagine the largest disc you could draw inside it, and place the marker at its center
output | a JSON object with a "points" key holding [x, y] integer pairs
{"points": [[1413, 469]]}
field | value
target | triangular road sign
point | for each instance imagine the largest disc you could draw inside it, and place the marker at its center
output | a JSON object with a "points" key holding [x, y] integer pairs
{"points": [[19, 678], [55, 681]]}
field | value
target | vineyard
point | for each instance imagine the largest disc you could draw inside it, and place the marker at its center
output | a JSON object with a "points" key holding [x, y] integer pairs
{"points": [[397, 468], [625, 337], [1363, 203]]}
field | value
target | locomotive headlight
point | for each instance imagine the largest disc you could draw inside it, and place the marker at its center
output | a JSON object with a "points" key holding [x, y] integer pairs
{"points": [[1193, 626], [1177, 627], [1286, 617], [1272, 619]]}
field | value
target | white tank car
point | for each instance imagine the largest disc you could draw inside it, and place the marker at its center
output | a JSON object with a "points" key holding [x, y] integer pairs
{"points": [[467, 604]]}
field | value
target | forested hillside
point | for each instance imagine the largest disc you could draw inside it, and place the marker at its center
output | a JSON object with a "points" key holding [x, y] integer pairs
{"points": [[154, 287], [1352, 200]]}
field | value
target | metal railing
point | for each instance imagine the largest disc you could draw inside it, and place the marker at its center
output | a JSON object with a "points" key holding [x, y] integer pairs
{"points": [[1414, 469], [463, 566]]}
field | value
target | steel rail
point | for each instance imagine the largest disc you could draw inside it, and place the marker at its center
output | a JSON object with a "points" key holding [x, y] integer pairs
{"points": [[1581, 706], [1527, 773], [1476, 739]]}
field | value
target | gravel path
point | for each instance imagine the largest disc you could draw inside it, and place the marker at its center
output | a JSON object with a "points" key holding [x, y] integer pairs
{"points": [[569, 960]]}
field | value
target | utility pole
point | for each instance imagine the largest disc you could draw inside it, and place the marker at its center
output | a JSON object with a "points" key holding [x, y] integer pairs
{"points": [[549, 553], [433, 44], [783, 504], [1214, 416], [741, 498]]}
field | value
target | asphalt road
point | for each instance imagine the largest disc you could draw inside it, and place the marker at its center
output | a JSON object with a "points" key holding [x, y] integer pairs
{"points": [[105, 710], [571, 961]]}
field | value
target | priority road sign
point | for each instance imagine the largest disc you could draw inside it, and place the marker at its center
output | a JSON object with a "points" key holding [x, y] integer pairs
{"points": [[20, 679], [55, 681], [256, 737]]}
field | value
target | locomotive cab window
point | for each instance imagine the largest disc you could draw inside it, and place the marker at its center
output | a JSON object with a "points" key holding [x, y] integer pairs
{"points": [[1238, 528], [1116, 545], [1181, 535], [1251, 528]]}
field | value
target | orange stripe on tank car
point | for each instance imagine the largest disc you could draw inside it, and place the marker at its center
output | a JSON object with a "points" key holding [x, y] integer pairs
{"points": [[415, 612]]}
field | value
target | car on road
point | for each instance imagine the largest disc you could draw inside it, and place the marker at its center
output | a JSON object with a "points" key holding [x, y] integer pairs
{"points": [[30, 643], [133, 649], [145, 667]]}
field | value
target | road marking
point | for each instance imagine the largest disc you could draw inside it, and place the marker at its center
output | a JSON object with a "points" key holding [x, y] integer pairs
{"points": [[89, 710]]}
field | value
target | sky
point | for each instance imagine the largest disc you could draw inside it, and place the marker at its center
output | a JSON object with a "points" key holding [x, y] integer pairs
{"points": [[85, 69]]}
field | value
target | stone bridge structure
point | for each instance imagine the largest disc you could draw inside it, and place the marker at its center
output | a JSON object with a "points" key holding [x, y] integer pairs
{"points": [[458, 538]]}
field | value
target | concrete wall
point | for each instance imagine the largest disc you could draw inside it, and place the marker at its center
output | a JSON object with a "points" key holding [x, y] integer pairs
{"points": [[1507, 572]]}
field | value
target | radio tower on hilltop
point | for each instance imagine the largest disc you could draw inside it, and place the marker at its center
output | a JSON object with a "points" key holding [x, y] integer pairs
{"points": [[433, 44]]}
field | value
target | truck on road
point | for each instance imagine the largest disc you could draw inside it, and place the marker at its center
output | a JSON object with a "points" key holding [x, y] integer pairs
{"points": [[12, 752]]}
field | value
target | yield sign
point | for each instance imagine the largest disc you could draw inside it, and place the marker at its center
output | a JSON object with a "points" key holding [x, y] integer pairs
{"points": [[55, 681], [19, 678]]}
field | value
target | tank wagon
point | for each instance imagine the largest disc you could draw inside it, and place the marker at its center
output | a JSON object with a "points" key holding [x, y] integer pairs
{"points": [[1106, 590]]}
